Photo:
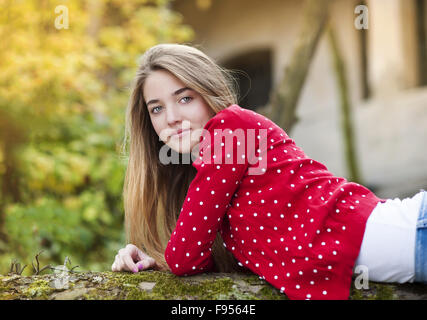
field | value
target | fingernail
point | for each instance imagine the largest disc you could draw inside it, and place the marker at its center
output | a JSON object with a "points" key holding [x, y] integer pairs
{"points": [[135, 270], [140, 266]]}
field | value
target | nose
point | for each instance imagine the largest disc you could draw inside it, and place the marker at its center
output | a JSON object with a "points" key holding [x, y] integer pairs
{"points": [[173, 115]]}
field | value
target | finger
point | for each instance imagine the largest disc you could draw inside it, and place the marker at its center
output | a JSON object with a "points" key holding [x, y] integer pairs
{"points": [[146, 263], [120, 264], [142, 255], [117, 263], [151, 262], [114, 265], [129, 264], [136, 253], [141, 265]]}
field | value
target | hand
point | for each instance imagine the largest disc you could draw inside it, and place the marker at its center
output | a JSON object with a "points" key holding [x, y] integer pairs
{"points": [[132, 259]]}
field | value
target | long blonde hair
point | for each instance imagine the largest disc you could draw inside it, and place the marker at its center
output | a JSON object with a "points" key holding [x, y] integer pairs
{"points": [[153, 192]]}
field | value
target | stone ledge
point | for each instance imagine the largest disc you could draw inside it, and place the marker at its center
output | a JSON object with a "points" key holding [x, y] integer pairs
{"points": [[150, 284]]}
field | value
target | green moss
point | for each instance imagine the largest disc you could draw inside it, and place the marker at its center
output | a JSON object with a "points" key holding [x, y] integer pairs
{"points": [[38, 289], [208, 289], [355, 294], [377, 291], [253, 280], [124, 285], [5, 290], [169, 286], [385, 292], [271, 293], [127, 284], [235, 295]]}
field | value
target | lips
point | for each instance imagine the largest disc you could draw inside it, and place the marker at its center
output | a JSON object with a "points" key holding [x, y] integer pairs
{"points": [[180, 132]]}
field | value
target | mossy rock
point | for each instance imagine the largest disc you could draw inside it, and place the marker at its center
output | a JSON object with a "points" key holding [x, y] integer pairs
{"points": [[156, 285]]}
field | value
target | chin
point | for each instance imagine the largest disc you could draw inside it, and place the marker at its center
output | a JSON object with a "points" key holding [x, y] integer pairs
{"points": [[180, 148]]}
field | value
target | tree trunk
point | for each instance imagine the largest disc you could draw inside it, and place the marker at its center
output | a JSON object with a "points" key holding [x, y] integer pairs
{"points": [[346, 114], [284, 98]]}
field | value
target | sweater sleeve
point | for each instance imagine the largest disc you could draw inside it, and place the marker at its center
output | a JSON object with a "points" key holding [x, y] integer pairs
{"points": [[220, 168]]}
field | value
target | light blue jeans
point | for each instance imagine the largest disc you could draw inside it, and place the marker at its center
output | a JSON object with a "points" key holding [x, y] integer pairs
{"points": [[421, 243]]}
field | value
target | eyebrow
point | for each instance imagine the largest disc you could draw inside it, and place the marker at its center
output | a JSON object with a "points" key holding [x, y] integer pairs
{"points": [[173, 94]]}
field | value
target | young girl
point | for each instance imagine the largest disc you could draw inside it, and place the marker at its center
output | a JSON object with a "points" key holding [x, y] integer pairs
{"points": [[248, 193]]}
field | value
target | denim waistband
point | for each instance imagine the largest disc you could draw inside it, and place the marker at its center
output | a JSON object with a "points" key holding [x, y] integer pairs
{"points": [[421, 242]]}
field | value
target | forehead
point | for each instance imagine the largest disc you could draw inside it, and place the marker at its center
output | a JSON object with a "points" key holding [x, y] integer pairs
{"points": [[159, 84]]}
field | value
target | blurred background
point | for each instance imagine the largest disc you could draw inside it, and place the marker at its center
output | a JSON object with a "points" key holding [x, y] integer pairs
{"points": [[65, 72]]}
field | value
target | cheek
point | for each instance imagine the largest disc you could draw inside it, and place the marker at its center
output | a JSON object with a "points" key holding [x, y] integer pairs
{"points": [[156, 126], [203, 115], [159, 129]]}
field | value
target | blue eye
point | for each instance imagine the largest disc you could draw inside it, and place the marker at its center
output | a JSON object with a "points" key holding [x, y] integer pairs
{"points": [[188, 98], [152, 110]]}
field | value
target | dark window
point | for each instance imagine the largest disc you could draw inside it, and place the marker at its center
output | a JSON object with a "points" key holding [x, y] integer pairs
{"points": [[252, 71]]}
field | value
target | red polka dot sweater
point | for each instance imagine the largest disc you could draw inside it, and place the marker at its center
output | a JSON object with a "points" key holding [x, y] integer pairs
{"points": [[283, 215]]}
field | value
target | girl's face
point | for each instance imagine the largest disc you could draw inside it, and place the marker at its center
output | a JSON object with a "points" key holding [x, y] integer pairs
{"points": [[173, 107]]}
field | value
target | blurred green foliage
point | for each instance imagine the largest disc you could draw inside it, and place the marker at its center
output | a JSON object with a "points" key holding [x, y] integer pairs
{"points": [[63, 94]]}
